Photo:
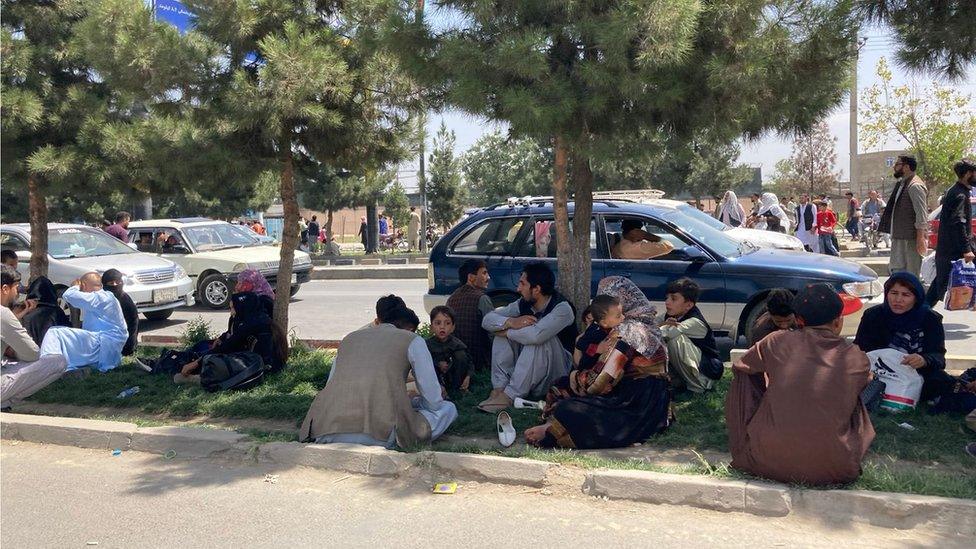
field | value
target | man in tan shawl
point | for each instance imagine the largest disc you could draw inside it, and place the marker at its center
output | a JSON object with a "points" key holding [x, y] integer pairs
{"points": [[794, 412]]}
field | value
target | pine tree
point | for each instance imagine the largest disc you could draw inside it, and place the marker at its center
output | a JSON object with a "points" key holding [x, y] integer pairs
{"points": [[50, 99], [590, 75], [300, 83], [932, 35], [396, 206], [446, 195]]}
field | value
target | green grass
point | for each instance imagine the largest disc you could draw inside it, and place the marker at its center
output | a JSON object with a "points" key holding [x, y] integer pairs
{"points": [[938, 465]]}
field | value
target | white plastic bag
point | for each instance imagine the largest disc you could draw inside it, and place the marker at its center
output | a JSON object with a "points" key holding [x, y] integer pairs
{"points": [[903, 385], [927, 273]]}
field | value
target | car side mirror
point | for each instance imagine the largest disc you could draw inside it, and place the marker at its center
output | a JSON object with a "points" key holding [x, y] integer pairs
{"points": [[690, 253], [132, 245]]}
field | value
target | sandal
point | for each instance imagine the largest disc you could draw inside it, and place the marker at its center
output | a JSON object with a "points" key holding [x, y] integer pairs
{"points": [[506, 431]]}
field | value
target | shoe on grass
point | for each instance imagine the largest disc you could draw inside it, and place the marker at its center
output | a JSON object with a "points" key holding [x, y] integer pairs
{"points": [[141, 365]]}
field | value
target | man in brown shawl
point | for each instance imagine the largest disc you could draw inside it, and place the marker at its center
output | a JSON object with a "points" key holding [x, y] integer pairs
{"points": [[794, 412]]}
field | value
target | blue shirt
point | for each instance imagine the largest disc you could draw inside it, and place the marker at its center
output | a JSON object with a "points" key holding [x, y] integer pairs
{"points": [[104, 334], [383, 226]]}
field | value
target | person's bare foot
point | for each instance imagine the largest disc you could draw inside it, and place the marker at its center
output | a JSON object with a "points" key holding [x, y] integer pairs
{"points": [[534, 435]]}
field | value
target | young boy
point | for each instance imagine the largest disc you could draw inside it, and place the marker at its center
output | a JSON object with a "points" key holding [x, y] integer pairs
{"points": [[692, 354], [826, 219], [778, 316], [606, 314], [450, 355]]}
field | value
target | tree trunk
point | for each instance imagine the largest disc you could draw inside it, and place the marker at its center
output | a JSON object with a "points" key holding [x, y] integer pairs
{"points": [[581, 272], [289, 236], [570, 278], [328, 224], [37, 208]]}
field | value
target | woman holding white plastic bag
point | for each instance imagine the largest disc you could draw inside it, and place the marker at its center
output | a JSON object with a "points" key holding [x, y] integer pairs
{"points": [[906, 323]]}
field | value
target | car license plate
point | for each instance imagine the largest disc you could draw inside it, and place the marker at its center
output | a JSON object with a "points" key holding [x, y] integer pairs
{"points": [[294, 278], [165, 295]]}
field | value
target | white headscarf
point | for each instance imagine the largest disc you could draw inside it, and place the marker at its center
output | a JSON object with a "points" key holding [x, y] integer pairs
{"points": [[769, 203], [731, 209]]}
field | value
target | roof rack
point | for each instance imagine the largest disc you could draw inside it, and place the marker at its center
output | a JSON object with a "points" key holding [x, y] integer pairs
{"points": [[604, 197]]}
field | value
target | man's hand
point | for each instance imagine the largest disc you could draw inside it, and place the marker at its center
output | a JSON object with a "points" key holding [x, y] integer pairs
{"points": [[27, 307], [914, 360], [520, 322], [968, 257], [920, 245], [443, 366], [670, 322], [190, 368]]}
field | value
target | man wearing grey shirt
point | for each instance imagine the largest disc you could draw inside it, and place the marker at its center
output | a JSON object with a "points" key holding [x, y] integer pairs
{"points": [[22, 373], [906, 218], [533, 338]]}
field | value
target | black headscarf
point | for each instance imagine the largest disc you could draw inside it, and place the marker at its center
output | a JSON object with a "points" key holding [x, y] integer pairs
{"points": [[129, 310], [910, 320], [47, 314]]}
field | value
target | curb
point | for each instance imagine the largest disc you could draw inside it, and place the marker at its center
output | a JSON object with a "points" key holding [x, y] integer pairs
{"points": [[376, 272], [883, 509]]}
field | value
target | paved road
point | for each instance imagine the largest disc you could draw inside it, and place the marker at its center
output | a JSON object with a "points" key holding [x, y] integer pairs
{"points": [[330, 309], [68, 497]]}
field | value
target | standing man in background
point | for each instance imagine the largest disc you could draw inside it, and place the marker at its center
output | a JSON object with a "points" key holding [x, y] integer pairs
{"points": [[313, 234], [906, 218], [120, 229], [853, 215], [413, 230], [956, 238]]}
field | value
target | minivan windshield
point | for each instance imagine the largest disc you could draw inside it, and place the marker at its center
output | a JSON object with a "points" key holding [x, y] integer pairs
{"points": [[73, 242], [694, 222], [219, 236]]}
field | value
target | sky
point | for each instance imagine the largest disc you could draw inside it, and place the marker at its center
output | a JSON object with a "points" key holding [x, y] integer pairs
{"points": [[765, 152]]}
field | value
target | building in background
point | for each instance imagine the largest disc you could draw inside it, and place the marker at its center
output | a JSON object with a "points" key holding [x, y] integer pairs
{"points": [[874, 171]]}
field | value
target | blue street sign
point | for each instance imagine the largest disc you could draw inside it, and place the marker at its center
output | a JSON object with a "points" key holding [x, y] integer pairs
{"points": [[174, 13]]}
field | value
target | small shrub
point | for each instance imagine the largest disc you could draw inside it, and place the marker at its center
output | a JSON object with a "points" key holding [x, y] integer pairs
{"points": [[424, 330], [196, 330]]}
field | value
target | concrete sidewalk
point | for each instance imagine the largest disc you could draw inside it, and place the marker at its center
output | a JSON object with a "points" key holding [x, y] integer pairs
{"points": [[888, 510], [369, 272]]}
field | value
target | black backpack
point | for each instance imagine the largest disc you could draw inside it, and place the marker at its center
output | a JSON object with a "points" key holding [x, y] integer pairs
{"points": [[171, 361], [222, 372]]}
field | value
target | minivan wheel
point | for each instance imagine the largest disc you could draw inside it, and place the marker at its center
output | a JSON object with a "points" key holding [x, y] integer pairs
{"points": [[294, 289], [754, 313], [158, 315], [214, 291]]}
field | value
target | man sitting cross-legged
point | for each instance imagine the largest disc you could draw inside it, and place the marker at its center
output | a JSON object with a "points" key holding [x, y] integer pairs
{"points": [[534, 337]]}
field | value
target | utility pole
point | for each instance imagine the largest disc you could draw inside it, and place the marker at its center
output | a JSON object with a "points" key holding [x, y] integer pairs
{"points": [[853, 113], [421, 177]]}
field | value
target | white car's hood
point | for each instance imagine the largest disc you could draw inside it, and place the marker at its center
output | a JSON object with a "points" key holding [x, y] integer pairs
{"points": [[127, 263], [765, 239]]}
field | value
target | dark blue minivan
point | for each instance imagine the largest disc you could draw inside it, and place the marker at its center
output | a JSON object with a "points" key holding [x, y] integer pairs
{"points": [[735, 276]]}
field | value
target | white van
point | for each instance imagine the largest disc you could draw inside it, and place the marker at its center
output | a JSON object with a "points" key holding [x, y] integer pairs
{"points": [[156, 285]]}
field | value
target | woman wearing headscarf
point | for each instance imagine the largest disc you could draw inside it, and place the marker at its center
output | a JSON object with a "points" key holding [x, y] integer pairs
{"points": [[632, 408], [250, 280], [113, 282], [47, 313], [905, 322], [730, 211], [251, 330], [775, 217]]}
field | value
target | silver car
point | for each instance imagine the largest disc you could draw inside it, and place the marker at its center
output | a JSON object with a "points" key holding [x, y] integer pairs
{"points": [[156, 285]]}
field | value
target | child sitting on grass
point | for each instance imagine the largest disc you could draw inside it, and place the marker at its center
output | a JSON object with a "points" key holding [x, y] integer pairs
{"points": [[450, 355], [692, 354]]}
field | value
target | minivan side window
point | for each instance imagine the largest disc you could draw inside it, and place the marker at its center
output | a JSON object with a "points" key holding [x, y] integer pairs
{"points": [[541, 241], [491, 236], [143, 239], [614, 234]]}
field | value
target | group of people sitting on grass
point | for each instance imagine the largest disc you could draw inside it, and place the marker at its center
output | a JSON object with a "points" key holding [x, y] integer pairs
{"points": [[40, 345], [794, 411]]}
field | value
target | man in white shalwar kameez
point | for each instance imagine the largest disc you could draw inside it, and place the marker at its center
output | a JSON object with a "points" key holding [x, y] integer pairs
{"points": [[806, 224], [532, 340], [99, 344]]}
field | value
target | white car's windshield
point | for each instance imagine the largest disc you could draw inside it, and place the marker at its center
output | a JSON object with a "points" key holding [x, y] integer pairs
{"points": [[702, 216], [218, 236], [694, 223], [72, 242]]}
